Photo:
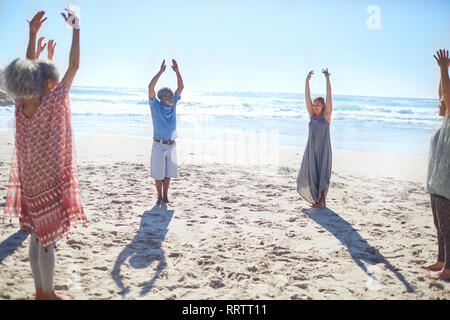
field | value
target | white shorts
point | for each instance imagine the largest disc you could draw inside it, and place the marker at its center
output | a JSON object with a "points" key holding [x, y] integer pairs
{"points": [[163, 161]]}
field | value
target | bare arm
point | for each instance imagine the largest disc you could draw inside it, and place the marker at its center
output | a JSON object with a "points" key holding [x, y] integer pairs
{"points": [[152, 84], [74, 59], [31, 54], [40, 47], [445, 81], [444, 62], [51, 49], [309, 105], [180, 85], [35, 24], [328, 103]]}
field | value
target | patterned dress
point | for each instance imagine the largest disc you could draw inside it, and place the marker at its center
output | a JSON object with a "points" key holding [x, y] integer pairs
{"points": [[43, 190]]}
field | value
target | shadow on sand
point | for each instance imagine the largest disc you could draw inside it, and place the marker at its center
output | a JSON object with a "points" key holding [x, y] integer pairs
{"points": [[10, 245], [360, 250], [145, 248]]}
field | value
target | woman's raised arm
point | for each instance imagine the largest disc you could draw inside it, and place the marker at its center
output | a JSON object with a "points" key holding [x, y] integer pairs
{"points": [[444, 62], [328, 103], [35, 25], [309, 104], [74, 58], [40, 47], [51, 49]]}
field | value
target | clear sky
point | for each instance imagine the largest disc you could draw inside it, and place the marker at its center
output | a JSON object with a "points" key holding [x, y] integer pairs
{"points": [[245, 45]]}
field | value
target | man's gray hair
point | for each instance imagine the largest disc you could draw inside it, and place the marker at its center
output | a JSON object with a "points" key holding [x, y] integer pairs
{"points": [[164, 91], [25, 78]]}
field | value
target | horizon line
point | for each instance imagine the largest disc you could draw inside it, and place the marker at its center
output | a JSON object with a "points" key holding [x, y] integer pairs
{"points": [[250, 91]]}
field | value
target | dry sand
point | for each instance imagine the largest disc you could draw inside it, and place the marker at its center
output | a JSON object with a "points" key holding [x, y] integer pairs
{"points": [[235, 230]]}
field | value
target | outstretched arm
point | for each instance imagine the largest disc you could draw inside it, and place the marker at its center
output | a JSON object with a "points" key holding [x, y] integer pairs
{"points": [[441, 101], [51, 49], [180, 85], [40, 47], [444, 62], [152, 84], [74, 58], [35, 25], [309, 105], [328, 103]]}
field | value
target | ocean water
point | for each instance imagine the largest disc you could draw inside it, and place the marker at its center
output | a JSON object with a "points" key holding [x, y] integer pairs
{"points": [[360, 123]]}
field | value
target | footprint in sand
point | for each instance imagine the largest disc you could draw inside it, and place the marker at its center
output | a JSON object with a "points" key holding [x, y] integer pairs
{"points": [[216, 283]]}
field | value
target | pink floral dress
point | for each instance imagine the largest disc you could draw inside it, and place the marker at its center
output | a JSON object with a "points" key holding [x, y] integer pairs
{"points": [[43, 190]]}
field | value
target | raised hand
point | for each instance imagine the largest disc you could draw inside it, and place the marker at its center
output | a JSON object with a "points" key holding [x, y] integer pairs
{"points": [[40, 47], [175, 66], [326, 73], [442, 58], [163, 67], [36, 22], [308, 77], [179, 79], [51, 49]]}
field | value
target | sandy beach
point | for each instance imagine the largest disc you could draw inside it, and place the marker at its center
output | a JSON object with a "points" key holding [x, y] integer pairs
{"points": [[236, 229]]}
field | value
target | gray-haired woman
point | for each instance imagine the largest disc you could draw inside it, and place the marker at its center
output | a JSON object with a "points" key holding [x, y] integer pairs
{"points": [[43, 190], [438, 178]]}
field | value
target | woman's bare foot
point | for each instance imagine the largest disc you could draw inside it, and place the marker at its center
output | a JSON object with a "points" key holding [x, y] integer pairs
{"points": [[322, 200], [435, 266], [322, 203], [39, 294], [51, 295], [443, 275]]}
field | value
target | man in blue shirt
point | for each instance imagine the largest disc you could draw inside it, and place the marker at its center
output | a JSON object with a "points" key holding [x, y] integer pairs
{"points": [[164, 156]]}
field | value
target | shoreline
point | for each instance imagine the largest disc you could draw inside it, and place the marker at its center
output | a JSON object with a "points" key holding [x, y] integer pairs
{"points": [[411, 167]]}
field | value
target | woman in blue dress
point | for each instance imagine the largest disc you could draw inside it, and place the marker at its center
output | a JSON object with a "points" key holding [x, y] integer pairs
{"points": [[313, 178]]}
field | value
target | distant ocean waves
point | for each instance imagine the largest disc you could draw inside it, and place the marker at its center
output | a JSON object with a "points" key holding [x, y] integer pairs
{"points": [[375, 124]]}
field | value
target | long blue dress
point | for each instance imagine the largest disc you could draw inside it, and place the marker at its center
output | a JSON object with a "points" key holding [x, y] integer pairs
{"points": [[315, 171]]}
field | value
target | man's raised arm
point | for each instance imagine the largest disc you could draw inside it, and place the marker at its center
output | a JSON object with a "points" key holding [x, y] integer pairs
{"points": [[151, 86], [180, 85]]}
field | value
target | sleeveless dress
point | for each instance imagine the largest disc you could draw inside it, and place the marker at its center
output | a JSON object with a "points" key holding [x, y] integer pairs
{"points": [[438, 175], [43, 190], [315, 171]]}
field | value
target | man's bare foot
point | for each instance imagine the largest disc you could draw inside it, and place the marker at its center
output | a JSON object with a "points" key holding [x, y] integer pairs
{"points": [[51, 295], [39, 294], [165, 200], [434, 267], [443, 275]]}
